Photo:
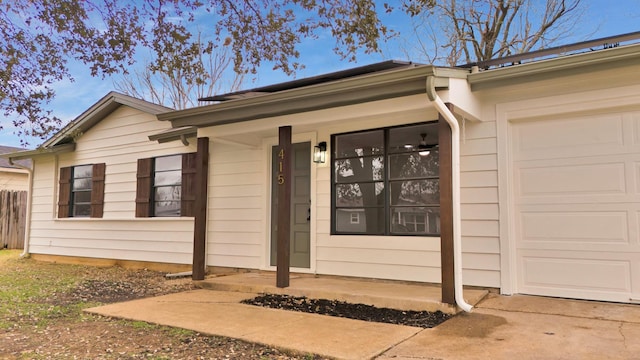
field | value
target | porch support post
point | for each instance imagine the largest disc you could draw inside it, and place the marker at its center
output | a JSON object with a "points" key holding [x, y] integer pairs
{"points": [[283, 179], [200, 211], [446, 211]]}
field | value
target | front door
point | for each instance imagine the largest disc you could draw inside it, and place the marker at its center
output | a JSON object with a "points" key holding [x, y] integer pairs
{"points": [[300, 206]]}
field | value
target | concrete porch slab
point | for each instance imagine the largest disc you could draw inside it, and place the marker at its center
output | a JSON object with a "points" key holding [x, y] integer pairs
{"points": [[379, 293]]}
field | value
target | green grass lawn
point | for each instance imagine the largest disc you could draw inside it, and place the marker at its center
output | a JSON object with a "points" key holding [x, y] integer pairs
{"points": [[27, 285]]}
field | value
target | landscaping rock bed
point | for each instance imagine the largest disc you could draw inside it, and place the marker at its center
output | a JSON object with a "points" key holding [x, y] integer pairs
{"points": [[423, 319]]}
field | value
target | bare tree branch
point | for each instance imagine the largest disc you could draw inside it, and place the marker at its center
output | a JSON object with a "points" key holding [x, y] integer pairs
{"points": [[40, 39], [479, 30]]}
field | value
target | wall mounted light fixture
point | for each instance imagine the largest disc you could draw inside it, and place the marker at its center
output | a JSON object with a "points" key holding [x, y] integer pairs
{"points": [[320, 152]]}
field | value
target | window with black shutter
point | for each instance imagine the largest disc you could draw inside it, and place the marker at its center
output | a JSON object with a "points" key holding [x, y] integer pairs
{"points": [[166, 186], [81, 191]]}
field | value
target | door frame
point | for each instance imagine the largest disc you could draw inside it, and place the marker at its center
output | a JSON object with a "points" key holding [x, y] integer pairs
{"points": [[267, 145]]}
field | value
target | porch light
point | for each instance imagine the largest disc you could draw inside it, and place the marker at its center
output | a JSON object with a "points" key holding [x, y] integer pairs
{"points": [[320, 152], [423, 149]]}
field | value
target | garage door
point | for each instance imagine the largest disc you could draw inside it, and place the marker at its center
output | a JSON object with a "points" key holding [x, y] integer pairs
{"points": [[576, 197]]}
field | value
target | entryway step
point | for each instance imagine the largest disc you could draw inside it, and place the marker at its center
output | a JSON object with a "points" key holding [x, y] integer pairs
{"points": [[378, 293]]}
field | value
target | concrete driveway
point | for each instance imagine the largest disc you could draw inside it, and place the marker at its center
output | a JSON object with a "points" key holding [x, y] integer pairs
{"points": [[500, 327], [529, 327]]}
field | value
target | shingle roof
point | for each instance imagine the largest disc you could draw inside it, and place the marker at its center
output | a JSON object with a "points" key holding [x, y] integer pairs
{"points": [[314, 80]]}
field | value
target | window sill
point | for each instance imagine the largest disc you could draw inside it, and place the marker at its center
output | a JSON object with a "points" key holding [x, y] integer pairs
{"points": [[163, 219]]}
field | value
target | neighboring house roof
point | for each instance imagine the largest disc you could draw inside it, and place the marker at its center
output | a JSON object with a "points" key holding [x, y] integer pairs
{"points": [[63, 140], [4, 162]]}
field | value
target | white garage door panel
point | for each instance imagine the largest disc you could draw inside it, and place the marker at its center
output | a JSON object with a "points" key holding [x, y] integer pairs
{"points": [[582, 278], [576, 198], [573, 179], [596, 134], [575, 227]]}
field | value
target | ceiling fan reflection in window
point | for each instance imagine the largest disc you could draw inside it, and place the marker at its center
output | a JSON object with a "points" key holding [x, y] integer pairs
{"points": [[423, 148]]}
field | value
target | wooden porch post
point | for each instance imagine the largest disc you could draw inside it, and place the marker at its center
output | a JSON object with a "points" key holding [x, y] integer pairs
{"points": [[446, 211], [283, 179], [200, 211]]}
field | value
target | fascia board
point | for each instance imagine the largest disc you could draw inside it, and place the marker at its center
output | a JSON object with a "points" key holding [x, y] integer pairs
{"points": [[556, 67]]}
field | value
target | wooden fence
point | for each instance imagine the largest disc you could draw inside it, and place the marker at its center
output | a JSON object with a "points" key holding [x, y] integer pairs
{"points": [[13, 211]]}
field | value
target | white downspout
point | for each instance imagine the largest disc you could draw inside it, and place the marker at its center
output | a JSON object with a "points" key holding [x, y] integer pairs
{"points": [[455, 179], [27, 230]]}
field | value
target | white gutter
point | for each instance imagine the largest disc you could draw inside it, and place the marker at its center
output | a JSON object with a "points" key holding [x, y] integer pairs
{"points": [[27, 230], [455, 179]]}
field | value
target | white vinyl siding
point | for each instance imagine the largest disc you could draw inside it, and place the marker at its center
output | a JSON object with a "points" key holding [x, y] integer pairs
{"points": [[237, 207], [118, 141], [479, 204], [239, 199]]}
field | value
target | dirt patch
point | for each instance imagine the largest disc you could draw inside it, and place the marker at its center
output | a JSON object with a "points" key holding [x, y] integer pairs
{"points": [[423, 319], [41, 317], [105, 338]]}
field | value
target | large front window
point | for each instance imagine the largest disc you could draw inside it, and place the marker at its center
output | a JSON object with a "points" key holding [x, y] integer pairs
{"points": [[388, 179]]}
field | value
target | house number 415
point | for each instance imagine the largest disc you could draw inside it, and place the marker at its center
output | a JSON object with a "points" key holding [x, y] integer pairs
{"points": [[280, 160]]}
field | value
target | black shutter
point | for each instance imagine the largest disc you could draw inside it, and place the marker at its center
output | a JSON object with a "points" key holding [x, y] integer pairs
{"points": [[188, 197], [64, 192], [97, 190], [143, 188]]}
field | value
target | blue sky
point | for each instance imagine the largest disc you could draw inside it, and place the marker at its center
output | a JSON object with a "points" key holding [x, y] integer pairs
{"points": [[602, 18]]}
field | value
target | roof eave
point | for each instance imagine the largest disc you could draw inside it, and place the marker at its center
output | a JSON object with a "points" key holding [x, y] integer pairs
{"points": [[181, 133], [371, 87], [552, 68], [29, 154], [99, 111]]}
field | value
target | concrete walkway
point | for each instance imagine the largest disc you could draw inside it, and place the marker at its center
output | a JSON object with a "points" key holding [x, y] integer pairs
{"points": [[220, 313], [517, 327]]}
